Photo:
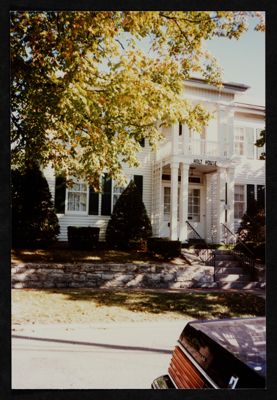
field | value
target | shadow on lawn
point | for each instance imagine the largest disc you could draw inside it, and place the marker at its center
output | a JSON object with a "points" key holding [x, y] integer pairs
{"points": [[63, 254], [192, 304]]}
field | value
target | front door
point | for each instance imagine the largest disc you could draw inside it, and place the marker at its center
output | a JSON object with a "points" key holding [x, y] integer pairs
{"points": [[165, 228], [195, 212]]}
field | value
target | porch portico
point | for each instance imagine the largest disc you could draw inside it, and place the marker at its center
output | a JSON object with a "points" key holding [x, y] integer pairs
{"points": [[194, 196]]}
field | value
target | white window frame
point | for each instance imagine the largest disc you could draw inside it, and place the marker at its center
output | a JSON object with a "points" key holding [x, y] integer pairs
{"points": [[241, 140], [192, 217], [236, 201], [68, 191], [251, 154], [114, 186]]}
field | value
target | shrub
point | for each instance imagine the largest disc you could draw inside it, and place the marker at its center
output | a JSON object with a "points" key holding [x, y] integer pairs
{"points": [[252, 230], [129, 222], [34, 222], [164, 247], [83, 237], [252, 226]]}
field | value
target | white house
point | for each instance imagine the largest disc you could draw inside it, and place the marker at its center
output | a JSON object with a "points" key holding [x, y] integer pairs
{"points": [[191, 181]]}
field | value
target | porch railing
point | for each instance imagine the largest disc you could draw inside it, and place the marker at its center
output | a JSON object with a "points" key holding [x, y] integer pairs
{"points": [[201, 147], [247, 257], [193, 147]]}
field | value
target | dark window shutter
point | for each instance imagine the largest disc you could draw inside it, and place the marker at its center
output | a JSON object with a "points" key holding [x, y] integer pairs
{"points": [[142, 142], [106, 196], [138, 179], [60, 188], [180, 129], [261, 195], [250, 195], [93, 202]]}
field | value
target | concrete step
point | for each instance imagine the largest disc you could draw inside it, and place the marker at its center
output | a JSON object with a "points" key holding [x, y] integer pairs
{"points": [[223, 252], [225, 257], [204, 285], [241, 285], [227, 263], [190, 256], [232, 278], [230, 270]]}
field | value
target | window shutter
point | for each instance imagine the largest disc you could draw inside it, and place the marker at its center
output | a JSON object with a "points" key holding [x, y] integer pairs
{"points": [[261, 195], [138, 179], [249, 133], [93, 202], [250, 195], [106, 195], [142, 142], [60, 188]]}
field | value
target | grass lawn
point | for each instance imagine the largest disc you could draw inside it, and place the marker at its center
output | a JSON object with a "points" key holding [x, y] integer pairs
{"points": [[92, 306], [66, 255]]}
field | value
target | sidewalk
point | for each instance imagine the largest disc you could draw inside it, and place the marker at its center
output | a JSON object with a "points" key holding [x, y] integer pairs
{"points": [[104, 356]]}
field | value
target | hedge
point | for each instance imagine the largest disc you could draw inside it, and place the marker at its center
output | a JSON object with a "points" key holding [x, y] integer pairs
{"points": [[83, 237], [164, 247]]}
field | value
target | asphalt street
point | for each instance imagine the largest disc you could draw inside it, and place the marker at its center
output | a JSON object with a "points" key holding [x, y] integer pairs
{"points": [[104, 356]]}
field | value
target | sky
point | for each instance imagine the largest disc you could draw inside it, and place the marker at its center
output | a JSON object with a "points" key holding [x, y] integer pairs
{"points": [[243, 61]]}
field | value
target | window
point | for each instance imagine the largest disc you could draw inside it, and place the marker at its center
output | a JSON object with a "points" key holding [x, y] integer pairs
{"points": [[244, 143], [245, 195], [239, 201], [194, 205], [239, 141], [259, 150], [77, 198], [116, 194], [166, 202], [194, 179]]}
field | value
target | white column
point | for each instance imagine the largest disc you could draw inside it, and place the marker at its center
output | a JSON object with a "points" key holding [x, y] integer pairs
{"points": [[231, 133], [175, 138], [186, 144], [174, 201], [222, 130], [230, 197], [221, 179], [209, 215], [183, 205]]}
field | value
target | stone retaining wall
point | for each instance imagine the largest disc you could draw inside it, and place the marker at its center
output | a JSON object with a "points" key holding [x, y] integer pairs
{"points": [[82, 275]]}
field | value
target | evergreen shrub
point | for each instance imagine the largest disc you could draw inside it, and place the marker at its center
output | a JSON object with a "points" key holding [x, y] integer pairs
{"points": [[252, 230], [34, 222], [129, 225]]}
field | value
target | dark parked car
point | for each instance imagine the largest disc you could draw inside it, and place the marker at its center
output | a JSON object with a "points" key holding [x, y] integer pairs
{"points": [[227, 353]]}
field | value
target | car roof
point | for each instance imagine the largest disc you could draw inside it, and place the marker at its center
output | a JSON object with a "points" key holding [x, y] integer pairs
{"points": [[245, 338]]}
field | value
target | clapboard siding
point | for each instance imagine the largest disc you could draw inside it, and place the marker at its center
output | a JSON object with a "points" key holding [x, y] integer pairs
{"points": [[250, 171], [144, 169], [82, 220], [202, 94]]}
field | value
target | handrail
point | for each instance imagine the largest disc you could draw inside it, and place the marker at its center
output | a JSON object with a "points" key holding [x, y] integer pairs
{"points": [[194, 230], [248, 259], [207, 258], [238, 240]]}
